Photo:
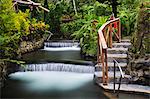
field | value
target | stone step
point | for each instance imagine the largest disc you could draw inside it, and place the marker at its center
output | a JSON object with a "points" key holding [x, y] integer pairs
{"points": [[122, 45], [111, 64], [98, 77], [119, 60], [128, 88], [117, 50], [123, 41], [110, 74], [126, 40], [117, 56], [110, 68]]}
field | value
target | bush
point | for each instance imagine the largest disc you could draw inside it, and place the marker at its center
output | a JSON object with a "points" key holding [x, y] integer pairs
{"points": [[141, 38], [93, 19], [128, 13], [14, 27]]}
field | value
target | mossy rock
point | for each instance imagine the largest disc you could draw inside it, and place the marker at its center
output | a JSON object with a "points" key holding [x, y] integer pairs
{"points": [[141, 37]]}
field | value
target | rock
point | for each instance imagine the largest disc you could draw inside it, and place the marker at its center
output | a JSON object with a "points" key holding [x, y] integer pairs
{"points": [[147, 73], [139, 55], [140, 73], [28, 46], [139, 69]]}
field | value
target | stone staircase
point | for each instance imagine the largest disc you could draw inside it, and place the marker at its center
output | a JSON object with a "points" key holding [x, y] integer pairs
{"points": [[119, 53]]}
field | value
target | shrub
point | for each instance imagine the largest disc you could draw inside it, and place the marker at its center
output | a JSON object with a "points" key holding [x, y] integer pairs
{"points": [[13, 27]]}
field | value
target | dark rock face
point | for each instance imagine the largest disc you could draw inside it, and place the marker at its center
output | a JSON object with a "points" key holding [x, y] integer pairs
{"points": [[139, 69], [139, 56], [2, 73], [141, 37]]}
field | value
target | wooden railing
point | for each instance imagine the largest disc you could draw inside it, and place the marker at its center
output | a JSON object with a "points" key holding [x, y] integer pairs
{"points": [[106, 33]]}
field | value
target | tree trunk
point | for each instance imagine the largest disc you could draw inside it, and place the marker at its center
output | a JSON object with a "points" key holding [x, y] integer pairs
{"points": [[45, 13], [114, 7]]}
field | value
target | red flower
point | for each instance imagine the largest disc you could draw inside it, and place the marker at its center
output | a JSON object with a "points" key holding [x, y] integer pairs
{"points": [[115, 25]]}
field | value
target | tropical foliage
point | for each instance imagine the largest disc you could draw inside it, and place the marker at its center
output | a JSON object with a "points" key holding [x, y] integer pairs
{"points": [[92, 20], [15, 27], [128, 13], [64, 21], [77, 26]]}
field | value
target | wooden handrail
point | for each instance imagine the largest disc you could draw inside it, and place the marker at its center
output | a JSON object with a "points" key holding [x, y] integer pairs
{"points": [[104, 41], [108, 22]]}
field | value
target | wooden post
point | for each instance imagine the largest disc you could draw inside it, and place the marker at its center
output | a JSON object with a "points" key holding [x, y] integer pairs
{"points": [[119, 30], [45, 13], [106, 67], [110, 36], [104, 33], [98, 53], [103, 67]]}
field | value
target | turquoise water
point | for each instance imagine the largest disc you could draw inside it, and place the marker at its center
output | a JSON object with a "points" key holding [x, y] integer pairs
{"points": [[51, 85], [57, 85]]}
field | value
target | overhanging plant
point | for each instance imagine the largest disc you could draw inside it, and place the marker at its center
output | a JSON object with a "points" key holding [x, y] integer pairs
{"points": [[88, 34]]}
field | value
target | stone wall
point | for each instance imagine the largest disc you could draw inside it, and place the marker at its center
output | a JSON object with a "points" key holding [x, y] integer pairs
{"points": [[139, 69], [141, 36], [28, 46], [139, 56]]}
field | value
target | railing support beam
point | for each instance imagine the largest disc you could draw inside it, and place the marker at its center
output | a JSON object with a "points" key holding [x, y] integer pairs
{"points": [[110, 36], [119, 30]]}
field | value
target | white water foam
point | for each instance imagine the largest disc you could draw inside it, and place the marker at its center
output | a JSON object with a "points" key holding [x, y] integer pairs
{"points": [[73, 48], [42, 81]]}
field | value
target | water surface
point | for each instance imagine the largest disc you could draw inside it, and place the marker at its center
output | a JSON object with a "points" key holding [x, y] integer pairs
{"points": [[44, 55], [57, 85], [51, 85]]}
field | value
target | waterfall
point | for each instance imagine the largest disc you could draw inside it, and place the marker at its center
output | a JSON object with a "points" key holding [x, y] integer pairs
{"points": [[61, 46], [65, 67], [59, 67]]}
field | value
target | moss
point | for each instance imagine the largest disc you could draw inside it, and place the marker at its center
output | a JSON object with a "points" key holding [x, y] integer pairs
{"points": [[141, 37], [139, 63]]}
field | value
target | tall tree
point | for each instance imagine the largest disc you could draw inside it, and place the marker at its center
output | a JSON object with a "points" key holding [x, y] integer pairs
{"points": [[45, 13], [114, 5]]}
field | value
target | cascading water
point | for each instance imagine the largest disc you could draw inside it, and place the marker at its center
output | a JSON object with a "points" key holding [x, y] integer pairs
{"points": [[59, 67], [57, 47], [61, 46]]}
